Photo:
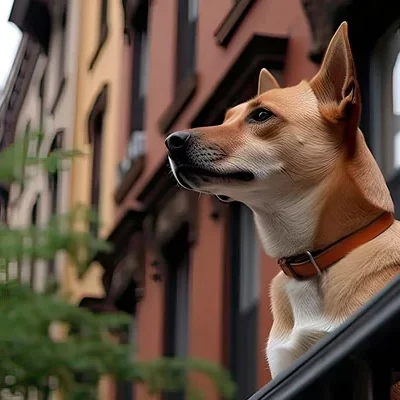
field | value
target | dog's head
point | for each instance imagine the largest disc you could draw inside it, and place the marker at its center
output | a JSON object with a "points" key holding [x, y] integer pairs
{"points": [[282, 141]]}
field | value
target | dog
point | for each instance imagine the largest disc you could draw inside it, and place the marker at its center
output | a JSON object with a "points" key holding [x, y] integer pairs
{"points": [[297, 158]]}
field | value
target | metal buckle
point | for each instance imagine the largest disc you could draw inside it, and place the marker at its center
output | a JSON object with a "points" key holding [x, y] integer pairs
{"points": [[288, 269], [313, 262]]}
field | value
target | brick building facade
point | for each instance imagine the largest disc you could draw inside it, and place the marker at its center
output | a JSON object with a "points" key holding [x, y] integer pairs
{"points": [[199, 274]]}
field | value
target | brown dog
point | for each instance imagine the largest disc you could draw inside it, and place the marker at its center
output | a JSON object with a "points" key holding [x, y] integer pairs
{"points": [[297, 158]]}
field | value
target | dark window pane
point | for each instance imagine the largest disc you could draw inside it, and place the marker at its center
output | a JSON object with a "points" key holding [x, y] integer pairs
{"points": [[186, 40], [140, 73], [244, 300], [34, 221], [96, 168], [103, 19], [177, 301]]}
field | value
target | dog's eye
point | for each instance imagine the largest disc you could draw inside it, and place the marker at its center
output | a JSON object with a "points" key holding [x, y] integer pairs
{"points": [[259, 115]]}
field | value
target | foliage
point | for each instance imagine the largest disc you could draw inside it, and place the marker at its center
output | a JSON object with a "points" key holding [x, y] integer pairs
{"points": [[31, 357]]}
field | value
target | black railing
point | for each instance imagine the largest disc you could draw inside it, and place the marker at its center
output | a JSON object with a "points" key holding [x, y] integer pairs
{"points": [[359, 361]]}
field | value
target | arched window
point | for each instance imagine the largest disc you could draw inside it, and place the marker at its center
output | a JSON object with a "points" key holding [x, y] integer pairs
{"points": [[54, 191], [53, 178], [34, 222], [95, 134]]}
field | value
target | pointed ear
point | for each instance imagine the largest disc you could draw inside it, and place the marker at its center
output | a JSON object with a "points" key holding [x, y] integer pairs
{"points": [[266, 82], [335, 85]]}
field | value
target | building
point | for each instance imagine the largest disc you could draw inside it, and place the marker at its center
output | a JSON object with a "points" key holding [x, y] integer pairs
{"points": [[46, 104], [96, 126], [65, 83], [189, 268], [96, 122]]}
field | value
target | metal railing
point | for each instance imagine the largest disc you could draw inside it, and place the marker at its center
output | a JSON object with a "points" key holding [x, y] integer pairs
{"points": [[359, 361]]}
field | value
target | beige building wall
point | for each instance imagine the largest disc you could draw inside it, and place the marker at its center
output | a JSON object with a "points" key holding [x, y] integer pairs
{"points": [[59, 117], [92, 77]]}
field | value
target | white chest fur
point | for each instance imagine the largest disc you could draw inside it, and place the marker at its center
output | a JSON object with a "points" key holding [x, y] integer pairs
{"points": [[310, 325]]}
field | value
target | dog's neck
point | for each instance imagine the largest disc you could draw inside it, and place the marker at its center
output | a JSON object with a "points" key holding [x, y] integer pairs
{"points": [[314, 219]]}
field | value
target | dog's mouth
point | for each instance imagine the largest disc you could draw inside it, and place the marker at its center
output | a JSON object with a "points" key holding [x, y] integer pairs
{"points": [[189, 171], [196, 178]]}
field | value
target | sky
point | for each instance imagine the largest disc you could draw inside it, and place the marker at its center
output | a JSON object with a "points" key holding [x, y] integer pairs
{"points": [[10, 37]]}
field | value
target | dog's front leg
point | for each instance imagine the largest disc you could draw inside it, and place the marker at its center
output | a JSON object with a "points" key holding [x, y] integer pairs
{"points": [[279, 356], [298, 321], [282, 326], [283, 351]]}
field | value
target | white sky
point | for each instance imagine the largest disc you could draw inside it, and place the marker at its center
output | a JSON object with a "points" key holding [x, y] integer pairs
{"points": [[10, 37]]}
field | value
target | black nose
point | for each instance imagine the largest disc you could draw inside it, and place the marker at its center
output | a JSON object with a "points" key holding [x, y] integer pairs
{"points": [[177, 141]]}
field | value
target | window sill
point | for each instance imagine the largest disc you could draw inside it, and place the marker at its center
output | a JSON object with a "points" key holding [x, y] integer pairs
{"points": [[100, 46], [59, 93], [184, 94], [225, 31], [129, 179]]}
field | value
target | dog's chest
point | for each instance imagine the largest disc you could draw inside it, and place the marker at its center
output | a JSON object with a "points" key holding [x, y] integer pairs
{"points": [[310, 324]]}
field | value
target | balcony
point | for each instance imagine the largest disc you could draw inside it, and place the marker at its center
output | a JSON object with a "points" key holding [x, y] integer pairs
{"points": [[360, 360]]}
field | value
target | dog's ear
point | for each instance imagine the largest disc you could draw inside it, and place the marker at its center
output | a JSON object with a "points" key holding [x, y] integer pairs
{"points": [[336, 86], [266, 81]]}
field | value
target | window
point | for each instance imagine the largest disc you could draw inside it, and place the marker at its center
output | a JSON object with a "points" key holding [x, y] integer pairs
{"points": [[3, 205], [53, 177], [125, 388], [42, 99], [25, 149], [95, 136], [139, 84], [140, 77], [186, 40], [244, 300], [96, 169], [103, 30], [177, 301], [63, 45], [103, 20], [34, 221], [53, 182], [385, 75], [61, 54]]}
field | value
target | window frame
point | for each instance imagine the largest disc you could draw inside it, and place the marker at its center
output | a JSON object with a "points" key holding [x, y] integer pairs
{"points": [[96, 131], [243, 318], [176, 322], [53, 181], [34, 223], [102, 31], [140, 71]]}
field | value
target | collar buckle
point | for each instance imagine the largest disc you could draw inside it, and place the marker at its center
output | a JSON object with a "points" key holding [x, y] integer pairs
{"points": [[313, 262]]}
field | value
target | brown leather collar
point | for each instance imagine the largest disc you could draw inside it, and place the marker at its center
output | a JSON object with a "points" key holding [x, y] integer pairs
{"points": [[309, 264]]}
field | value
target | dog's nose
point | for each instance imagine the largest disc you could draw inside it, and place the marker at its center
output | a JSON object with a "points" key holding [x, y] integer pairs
{"points": [[177, 141]]}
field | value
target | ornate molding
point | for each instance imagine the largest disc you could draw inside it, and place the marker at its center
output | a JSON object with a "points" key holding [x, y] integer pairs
{"points": [[230, 24]]}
